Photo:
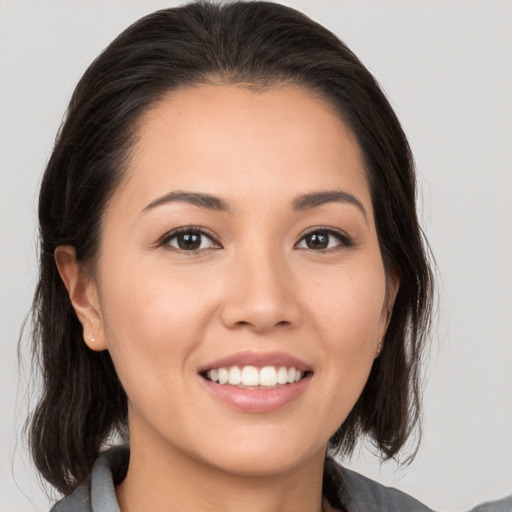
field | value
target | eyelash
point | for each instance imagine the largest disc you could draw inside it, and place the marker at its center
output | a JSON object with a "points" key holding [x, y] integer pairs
{"points": [[344, 240], [166, 239]]}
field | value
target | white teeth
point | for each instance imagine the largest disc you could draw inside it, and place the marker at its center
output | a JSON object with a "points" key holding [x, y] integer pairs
{"points": [[268, 376], [235, 376], [250, 376], [223, 375], [282, 375]]}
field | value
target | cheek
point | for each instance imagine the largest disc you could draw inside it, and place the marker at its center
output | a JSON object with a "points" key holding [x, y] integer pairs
{"points": [[153, 321], [141, 294], [350, 304], [349, 317]]}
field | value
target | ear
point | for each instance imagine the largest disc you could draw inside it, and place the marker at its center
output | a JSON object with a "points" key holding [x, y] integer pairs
{"points": [[392, 287], [83, 294]]}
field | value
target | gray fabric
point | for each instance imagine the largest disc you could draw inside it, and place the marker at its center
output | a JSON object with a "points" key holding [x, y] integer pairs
{"points": [[341, 486], [97, 494], [103, 494], [79, 501], [503, 505], [360, 494]]}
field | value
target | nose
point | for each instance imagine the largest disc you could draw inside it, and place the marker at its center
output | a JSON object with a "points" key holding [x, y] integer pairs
{"points": [[261, 294]]}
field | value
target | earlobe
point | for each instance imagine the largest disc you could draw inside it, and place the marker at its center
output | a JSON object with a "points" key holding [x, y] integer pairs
{"points": [[378, 350], [83, 295]]}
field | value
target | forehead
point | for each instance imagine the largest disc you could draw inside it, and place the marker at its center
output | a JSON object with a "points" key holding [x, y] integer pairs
{"points": [[234, 142]]}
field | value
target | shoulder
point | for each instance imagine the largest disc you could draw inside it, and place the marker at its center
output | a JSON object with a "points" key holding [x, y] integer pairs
{"points": [[503, 505], [370, 495], [98, 492], [359, 493], [78, 501]]}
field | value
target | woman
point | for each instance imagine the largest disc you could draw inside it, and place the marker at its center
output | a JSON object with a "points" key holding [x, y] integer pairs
{"points": [[233, 269]]}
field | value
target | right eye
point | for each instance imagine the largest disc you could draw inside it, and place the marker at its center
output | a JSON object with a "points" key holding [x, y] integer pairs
{"points": [[190, 240]]}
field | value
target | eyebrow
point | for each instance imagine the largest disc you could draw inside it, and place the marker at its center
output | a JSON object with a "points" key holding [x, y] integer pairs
{"points": [[197, 199], [214, 203], [308, 201]]}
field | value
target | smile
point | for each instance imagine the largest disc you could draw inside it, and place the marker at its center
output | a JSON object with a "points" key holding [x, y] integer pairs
{"points": [[251, 377], [257, 382]]}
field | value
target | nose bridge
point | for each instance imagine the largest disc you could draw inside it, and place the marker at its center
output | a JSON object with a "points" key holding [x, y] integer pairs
{"points": [[260, 289]]}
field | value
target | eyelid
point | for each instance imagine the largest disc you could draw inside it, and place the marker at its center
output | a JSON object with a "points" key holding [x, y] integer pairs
{"points": [[164, 240], [346, 241]]}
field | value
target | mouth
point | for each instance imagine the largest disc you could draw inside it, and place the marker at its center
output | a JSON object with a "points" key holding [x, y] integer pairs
{"points": [[257, 382], [254, 377]]}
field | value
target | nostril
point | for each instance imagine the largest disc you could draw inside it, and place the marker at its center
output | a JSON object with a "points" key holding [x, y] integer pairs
{"points": [[260, 314], [257, 327]]}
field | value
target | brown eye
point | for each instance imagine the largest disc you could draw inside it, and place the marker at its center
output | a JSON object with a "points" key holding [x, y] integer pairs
{"points": [[324, 239], [318, 240], [190, 240]]}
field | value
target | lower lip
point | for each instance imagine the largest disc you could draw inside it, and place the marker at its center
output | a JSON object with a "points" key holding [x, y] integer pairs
{"points": [[257, 400]]}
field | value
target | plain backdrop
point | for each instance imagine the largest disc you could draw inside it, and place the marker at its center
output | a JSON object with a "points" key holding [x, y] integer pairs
{"points": [[446, 67]]}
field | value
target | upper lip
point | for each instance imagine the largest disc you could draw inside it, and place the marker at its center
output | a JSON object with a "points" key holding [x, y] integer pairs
{"points": [[259, 360]]}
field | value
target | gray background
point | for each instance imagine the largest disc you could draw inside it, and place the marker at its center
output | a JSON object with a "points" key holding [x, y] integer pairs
{"points": [[446, 67]]}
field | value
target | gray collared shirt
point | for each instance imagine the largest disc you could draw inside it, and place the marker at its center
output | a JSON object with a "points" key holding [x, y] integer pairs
{"points": [[344, 489]]}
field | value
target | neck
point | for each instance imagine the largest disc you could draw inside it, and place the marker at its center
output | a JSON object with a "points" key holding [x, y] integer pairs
{"points": [[168, 480]]}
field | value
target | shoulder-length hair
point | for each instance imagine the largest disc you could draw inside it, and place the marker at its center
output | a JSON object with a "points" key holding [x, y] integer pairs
{"points": [[255, 43]]}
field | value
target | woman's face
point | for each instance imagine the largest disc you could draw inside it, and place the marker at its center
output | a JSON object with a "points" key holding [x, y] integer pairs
{"points": [[242, 241]]}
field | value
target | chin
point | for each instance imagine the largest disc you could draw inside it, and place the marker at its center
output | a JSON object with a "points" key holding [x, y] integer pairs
{"points": [[261, 458]]}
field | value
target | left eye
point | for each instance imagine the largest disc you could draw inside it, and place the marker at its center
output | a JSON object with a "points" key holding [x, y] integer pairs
{"points": [[190, 240], [323, 239]]}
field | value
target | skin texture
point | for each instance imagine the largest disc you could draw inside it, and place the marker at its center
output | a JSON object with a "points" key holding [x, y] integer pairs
{"points": [[255, 285]]}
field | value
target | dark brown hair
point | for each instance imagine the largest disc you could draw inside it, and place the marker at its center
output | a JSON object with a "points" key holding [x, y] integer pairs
{"points": [[253, 43]]}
